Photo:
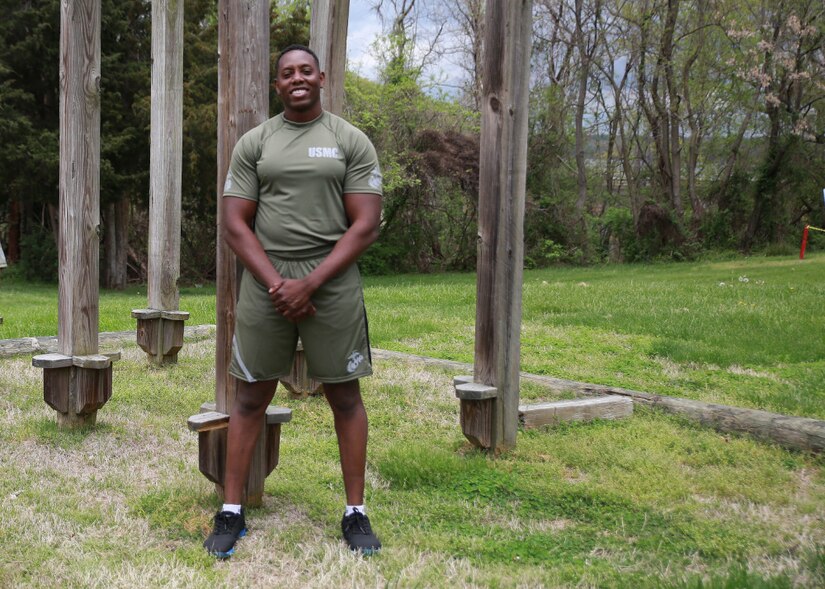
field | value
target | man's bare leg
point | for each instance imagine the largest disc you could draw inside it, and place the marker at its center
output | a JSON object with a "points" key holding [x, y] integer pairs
{"points": [[245, 424], [351, 428]]}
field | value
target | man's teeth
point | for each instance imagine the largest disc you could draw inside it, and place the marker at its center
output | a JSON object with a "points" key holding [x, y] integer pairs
{"points": [[299, 92]]}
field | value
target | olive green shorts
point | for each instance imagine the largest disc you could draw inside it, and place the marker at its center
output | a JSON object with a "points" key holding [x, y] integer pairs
{"points": [[335, 340]]}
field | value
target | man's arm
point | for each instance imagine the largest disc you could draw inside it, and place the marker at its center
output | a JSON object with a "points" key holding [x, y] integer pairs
{"points": [[364, 214], [237, 218]]}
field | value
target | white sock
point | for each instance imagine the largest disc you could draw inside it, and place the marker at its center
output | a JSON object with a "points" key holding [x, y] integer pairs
{"points": [[351, 508], [231, 507]]}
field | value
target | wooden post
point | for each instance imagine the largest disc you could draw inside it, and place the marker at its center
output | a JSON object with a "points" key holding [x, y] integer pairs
{"points": [[243, 103], [502, 170], [2, 265], [328, 39], [78, 382], [160, 327]]}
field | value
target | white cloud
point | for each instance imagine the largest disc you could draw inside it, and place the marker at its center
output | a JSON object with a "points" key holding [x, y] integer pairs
{"points": [[364, 28]]}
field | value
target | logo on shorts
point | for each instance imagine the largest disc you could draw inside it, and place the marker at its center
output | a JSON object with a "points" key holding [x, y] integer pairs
{"points": [[354, 361]]}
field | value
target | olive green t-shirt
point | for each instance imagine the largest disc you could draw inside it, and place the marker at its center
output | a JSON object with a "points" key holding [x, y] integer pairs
{"points": [[298, 174]]}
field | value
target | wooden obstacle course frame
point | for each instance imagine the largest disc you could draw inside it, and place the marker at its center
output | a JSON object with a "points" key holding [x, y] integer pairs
{"points": [[76, 386], [160, 333], [298, 383], [212, 426]]}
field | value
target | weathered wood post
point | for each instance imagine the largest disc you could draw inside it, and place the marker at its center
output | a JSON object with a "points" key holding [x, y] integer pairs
{"points": [[160, 327], [77, 381], [328, 39], [243, 103], [489, 403], [2, 265]]}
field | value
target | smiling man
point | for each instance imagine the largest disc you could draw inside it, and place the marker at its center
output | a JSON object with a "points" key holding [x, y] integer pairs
{"points": [[302, 202]]}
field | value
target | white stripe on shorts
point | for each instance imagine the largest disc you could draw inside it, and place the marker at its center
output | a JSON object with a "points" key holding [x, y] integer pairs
{"points": [[237, 354]]}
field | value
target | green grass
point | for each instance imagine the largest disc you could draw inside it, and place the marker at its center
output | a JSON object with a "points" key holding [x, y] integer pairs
{"points": [[650, 501], [744, 332]]}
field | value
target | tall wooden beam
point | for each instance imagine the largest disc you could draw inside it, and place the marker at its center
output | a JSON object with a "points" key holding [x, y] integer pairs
{"points": [[328, 39], [243, 103], [77, 380], [160, 327], [492, 416]]}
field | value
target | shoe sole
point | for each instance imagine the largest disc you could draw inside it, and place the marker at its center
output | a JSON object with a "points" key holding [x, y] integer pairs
{"points": [[365, 551], [231, 551]]}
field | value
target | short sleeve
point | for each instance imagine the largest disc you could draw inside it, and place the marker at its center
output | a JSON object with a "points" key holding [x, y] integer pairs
{"points": [[363, 170], [242, 177]]}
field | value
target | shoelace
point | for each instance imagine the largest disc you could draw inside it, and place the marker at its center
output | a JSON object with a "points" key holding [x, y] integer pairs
{"points": [[223, 522], [360, 520]]}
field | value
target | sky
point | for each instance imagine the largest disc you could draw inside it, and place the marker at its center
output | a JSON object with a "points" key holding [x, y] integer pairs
{"points": [[364, 27]]}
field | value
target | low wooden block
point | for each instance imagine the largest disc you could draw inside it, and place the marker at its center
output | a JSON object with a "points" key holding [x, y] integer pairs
{"points": [[273, 446], [473, 391], [208, 421], [51, 361], [212, 454], [146, 313], [56, 387], [298, 382], [607, 407], [93, 388], [160, 333], [94, 361], [174, 315], [278, 415], [477, 421], [212, 428]]}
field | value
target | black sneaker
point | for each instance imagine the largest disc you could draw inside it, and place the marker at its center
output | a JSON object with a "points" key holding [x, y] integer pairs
{"points": [[228, 528], [358, 533]]}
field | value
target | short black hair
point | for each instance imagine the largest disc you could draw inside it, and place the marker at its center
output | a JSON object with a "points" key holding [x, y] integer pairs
{"points": [[296, 47]]}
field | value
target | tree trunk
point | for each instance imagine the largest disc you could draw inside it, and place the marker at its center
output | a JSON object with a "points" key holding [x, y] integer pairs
{"points": [[584, 73], [13, 245], [116, 244]]}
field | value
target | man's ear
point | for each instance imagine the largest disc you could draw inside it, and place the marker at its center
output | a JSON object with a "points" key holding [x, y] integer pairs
{"points": [[323, 78]]}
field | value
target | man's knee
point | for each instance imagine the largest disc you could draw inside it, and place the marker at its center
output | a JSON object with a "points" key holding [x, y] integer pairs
{"points": [[344, 397], [254, 397]]}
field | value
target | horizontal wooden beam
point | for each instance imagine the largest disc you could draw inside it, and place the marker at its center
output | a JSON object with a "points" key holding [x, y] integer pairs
{"points": [[48, 344], [274, 414], [473, 391], [160, 314], [210, 420], [609, 407]]}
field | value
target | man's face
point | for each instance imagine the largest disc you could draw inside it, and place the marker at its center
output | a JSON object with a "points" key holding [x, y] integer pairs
{"points": [[299, 84]]}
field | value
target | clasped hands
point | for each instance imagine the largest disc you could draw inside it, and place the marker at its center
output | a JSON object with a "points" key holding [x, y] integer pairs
{"points": [[291, 299]]}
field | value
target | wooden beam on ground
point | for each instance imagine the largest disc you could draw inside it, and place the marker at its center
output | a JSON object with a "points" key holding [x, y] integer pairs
{"points": [[502, 178], [328, 39], [796, 433], [161, 337], [608, 407], [48, 344]]}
